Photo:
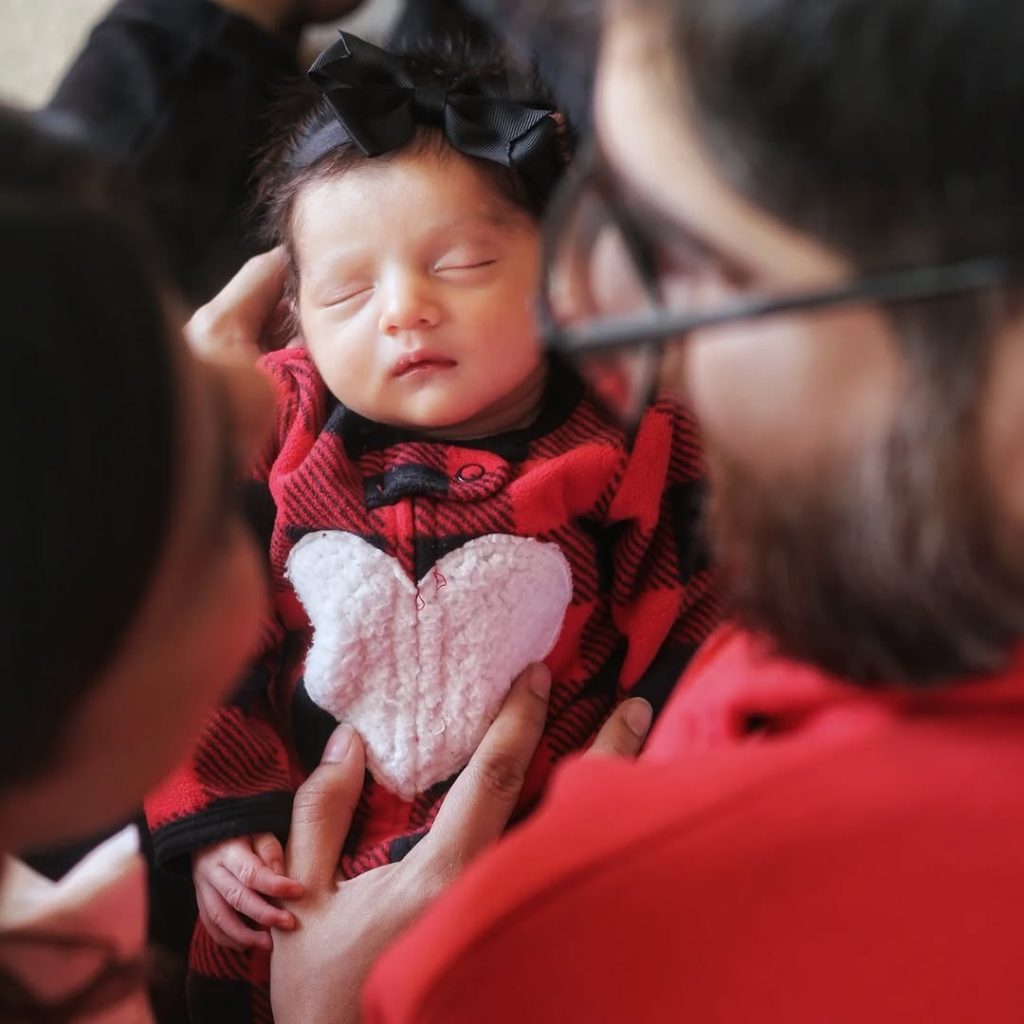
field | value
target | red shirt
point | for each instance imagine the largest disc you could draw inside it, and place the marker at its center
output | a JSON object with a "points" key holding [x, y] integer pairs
{"points": [[789, 848]]}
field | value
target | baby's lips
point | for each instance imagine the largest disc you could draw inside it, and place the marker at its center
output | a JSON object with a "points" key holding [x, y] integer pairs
{"points": [[415, 360]]}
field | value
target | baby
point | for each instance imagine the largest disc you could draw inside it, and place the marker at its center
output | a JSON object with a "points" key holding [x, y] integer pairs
{"points": [[442, 505]]}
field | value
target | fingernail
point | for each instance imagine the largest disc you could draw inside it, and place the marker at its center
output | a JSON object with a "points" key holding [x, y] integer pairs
{"points": [[338, 744], [638, 716], [538, 681]]}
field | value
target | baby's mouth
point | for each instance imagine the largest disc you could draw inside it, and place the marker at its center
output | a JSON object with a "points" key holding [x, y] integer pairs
{"points": [[420, 362]]}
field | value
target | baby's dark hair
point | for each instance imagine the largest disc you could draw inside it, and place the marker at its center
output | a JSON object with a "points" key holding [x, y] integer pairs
{"points": [[283, 172]]}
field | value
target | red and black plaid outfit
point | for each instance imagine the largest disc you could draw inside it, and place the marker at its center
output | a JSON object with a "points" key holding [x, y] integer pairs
{"points": [[626, 519]]}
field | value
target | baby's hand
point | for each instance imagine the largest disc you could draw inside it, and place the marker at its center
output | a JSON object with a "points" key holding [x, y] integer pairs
{"points": [[229, 876]]}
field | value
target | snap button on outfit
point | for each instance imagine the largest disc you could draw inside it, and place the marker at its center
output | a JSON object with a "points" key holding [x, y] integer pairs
{"points": [[470, 473]]}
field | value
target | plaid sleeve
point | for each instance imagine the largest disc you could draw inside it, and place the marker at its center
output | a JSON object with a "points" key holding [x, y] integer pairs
{"points": [[235, 782], [237, 779], [664, 601]]}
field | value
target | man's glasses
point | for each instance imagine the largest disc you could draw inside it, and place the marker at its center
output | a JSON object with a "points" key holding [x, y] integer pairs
{"points": [[613, 294]]}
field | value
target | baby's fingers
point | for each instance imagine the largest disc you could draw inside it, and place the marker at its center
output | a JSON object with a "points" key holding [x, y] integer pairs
{"points": [[226, 928], [268, 849], [246, 901], [249, 870]]}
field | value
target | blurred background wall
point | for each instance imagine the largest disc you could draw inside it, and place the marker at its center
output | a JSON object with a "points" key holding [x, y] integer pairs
{"points": [[39, 37]]}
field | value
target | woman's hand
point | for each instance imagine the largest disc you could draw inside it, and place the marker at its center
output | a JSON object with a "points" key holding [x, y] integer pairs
{"points": [[343, 926], [244, 318]]}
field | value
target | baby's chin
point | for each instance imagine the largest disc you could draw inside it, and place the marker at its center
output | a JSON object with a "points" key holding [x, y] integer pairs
{"points": [[458, 409], [431, 417], [438, 424]]}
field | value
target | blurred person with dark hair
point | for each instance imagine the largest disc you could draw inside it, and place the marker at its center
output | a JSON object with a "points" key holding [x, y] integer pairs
{"points": [[115, 510]]}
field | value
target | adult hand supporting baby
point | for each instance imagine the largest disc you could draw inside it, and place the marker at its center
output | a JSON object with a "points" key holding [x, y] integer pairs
{"points": [[240, 321], [317, 970]]}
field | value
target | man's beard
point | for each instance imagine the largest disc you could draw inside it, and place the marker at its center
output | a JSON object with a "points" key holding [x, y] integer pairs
{"points": [[890, 568]]}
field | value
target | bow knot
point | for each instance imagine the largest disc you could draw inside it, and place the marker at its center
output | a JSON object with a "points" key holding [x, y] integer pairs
{"points": [[378, 106], [430, 100]]}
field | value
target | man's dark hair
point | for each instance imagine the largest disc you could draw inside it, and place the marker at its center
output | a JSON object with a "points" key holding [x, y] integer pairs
{"points": [[887, 130]]}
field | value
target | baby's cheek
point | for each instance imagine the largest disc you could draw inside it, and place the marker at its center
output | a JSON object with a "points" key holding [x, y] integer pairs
{"points": [[348, 369], [515, 342], [359, 391]]}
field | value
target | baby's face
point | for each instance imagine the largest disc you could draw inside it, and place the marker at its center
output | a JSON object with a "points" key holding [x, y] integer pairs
{"points": [[416, 288]]}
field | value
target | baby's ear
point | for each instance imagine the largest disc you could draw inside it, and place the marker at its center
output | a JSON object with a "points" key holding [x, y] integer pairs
{"points": [[283, 329], [297, 340]]}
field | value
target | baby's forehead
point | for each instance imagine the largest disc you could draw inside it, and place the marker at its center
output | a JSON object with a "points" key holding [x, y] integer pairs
{"points": [[410, 194]]}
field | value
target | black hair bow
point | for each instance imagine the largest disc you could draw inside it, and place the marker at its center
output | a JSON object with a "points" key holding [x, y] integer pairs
{"points": [[380, 106]]}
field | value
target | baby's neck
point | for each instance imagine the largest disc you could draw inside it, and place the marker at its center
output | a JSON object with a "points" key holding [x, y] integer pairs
{"points": [[518, 409]]}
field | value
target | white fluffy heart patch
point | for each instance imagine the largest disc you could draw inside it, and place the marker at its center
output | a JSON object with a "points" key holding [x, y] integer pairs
{"points": [[420, 670]]}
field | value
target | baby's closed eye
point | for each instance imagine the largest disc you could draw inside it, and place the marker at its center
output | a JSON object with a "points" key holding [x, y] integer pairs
{"points": [[465, 259], [343, 293]]}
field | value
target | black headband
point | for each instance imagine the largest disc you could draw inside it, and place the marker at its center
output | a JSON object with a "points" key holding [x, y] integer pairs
{"points": [[379, 107]]}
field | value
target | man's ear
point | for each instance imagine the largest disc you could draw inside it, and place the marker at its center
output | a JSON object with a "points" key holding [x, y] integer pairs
{"points": [[1001, 421]]}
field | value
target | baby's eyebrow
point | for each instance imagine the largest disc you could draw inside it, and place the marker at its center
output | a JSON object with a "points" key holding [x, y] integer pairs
{"points": [[343, 254], [340, 262], [503, 222]]}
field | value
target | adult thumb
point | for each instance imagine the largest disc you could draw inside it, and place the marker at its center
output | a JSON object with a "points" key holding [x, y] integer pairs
{"points": [[322, 811]]}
